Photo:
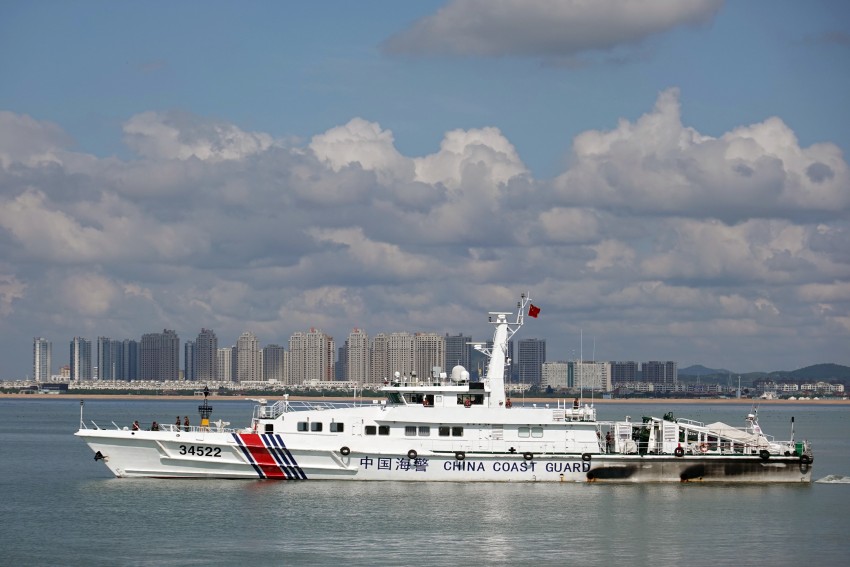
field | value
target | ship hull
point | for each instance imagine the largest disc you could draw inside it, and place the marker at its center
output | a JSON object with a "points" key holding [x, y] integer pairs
{"points": [[247, 455]]}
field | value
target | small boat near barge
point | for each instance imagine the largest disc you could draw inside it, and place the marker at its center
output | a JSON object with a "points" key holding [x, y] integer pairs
{"points": [[446, 428]]}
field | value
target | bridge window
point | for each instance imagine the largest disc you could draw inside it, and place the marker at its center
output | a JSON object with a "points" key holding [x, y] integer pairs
{"points": [[303, 426], [383, 430], [523, 431], [371, 430], [443, 431], [457, 431], [316, 426], [410, 431], [537, 432], [337, 427], [424, 431]]}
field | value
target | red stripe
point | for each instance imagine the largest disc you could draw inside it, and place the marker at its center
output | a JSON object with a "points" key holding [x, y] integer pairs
{"points": [[261, 455]]}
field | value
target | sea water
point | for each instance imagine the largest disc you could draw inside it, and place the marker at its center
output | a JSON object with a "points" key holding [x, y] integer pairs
{"points": [[60, 507]]}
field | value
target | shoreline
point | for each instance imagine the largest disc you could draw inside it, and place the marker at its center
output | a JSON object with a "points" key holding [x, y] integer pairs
{"points": [[603, 401]]}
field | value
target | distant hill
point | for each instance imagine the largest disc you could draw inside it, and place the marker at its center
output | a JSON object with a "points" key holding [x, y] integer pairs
{"points": [[825, 372], [822, 372], [700, 370]]}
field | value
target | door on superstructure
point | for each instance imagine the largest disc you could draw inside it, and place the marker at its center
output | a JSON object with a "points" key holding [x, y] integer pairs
{"points": [[495, 441]]}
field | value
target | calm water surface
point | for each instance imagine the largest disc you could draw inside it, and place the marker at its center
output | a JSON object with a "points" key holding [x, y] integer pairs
{"points": [[59, 507]]}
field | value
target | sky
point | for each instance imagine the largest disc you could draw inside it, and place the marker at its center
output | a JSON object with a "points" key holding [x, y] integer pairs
{"points": [[667, 178]]}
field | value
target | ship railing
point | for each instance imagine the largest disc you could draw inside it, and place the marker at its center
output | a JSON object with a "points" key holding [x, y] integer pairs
{"points": [[690, 422], [280, 407], [216, 427], [213, 427], [582, 413]]}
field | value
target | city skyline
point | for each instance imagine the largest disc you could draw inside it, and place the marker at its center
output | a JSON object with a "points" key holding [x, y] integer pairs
{"points": [[669, 180]]}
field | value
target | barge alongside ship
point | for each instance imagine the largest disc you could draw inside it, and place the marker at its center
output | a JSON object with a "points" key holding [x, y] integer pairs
{"points": [[446, 428]]}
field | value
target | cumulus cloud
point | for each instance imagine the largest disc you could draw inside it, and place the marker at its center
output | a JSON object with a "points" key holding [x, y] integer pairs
{"points": [[10, 289], [89, 295], [655, 230], [179, 135], [545, 28], [657, 165], [485, 147], [365, 144], [30, 142]]}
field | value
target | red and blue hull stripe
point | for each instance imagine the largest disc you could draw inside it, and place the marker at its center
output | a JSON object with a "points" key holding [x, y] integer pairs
{"points": [[269, 456]]}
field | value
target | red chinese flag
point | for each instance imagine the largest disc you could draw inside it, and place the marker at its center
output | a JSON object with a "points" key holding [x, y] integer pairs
{"points": [[533, 310]]}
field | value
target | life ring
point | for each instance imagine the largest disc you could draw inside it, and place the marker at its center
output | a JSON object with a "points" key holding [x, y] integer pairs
{"points": [[805, 459], [345, 451], [460, 455], [703, 447], [764, 454], [679, 452], [585, 457], [508, 404], [467, 404], [527, 456], [411, 454]]}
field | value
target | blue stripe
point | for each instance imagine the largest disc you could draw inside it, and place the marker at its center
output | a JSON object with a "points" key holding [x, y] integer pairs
{"points": [[248, 455], [279, 457], [288, 455]]}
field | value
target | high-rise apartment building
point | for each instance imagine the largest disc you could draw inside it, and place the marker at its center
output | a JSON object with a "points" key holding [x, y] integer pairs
{"points": [[429, 352], [400, 354], [458, 352], [159, 356], [105, 368], [224, 360], [249, 368], [311, 357], [190, 361], [379, 370], [555, 376], [275, 364], [110, 359], [341, 366], [129, 360], [297, 358], [206, 356], [319, 356], [663, 374], [530, 358], [590, 375], [624, 371], [42, 359], [80, 359], [357, 357]]}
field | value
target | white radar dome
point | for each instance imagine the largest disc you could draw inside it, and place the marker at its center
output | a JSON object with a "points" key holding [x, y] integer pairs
{"points": [[459, 374]]}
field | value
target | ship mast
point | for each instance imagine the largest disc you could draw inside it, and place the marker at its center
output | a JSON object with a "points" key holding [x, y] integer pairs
{"points": [[495, 376]]}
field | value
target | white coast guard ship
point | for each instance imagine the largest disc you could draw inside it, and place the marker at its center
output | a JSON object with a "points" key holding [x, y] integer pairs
{"points": [[450, 429]]}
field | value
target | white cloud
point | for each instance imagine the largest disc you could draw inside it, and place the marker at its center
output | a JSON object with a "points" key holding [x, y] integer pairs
{"points": [[655, 230], [547, 28], [570, 225], [11, 288], [657, 165], [175, 135], [460, 149], [364, 143], [610, 254], [89, 295], [29, 141]]}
